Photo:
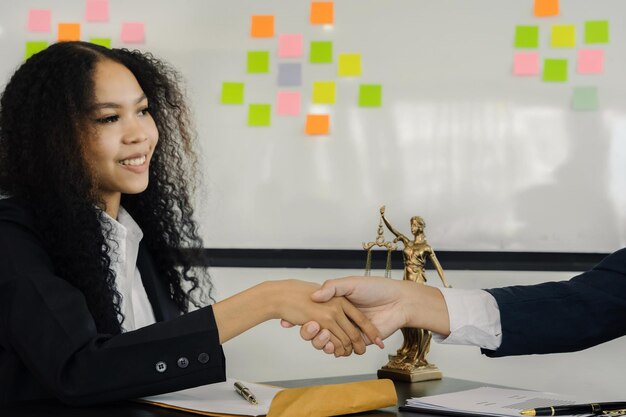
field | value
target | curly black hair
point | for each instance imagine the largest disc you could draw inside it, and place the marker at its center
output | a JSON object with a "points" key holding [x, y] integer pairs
{"points": [[44, 114]]}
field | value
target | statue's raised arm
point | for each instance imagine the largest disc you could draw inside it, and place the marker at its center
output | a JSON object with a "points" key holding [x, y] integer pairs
{"points": [[392, 229]]}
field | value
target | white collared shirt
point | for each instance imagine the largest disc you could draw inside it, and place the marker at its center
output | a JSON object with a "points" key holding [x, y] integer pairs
{"points": [[124, 243]]}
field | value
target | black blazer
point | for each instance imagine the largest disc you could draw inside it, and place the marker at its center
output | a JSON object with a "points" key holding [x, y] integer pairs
{"points": [[564, 316], [49, 345]]}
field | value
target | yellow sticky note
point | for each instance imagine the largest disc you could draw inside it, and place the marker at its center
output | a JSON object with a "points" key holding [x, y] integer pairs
{"points": [[563, 36], [324, 92], [69, 32], [349, 65], [317, 124]]}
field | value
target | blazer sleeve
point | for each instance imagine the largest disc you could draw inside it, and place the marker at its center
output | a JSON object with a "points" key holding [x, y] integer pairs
{"points": [[48, 338], [564, 316]]}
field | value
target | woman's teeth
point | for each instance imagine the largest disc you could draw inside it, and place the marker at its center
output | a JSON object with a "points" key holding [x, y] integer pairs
{"points": [[134, 161]]}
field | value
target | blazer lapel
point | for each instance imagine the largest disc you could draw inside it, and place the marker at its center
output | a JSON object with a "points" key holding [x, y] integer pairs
{"points": [[163, 306]]}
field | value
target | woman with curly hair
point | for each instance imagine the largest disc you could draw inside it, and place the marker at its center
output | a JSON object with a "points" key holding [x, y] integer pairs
{"points": [[96, 237]]}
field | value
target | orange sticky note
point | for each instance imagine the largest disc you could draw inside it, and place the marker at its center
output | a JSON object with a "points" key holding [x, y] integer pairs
{"points": [[322, 12], [546, 7], [69, 32], [262, 26], [317, 124]]}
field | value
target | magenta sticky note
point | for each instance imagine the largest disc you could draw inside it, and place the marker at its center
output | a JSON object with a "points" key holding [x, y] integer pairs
{"points": [[132, 32], [290, 46], [288, 103], [590, 61], [97, 11], [39, 20], [526, 63]]}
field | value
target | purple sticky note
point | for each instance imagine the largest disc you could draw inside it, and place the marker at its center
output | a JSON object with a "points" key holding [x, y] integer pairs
{"points": [[97, 11], [590, 61], [289, 74], [132, 32], [290, 46], [39, 20], [526, 63], [288, 103]]}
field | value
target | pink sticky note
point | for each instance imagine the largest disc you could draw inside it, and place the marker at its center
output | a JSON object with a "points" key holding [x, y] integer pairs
{"points": [[288, 103], [132, 32], [590, 61], [97, 11], [290, 46], [39, 20], [526, 63]]}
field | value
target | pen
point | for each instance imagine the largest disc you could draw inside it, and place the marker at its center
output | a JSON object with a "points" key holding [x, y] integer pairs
{"points": [[614, 408], [245, 393]]}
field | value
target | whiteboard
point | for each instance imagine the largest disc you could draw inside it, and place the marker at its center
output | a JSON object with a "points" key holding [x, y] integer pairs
{"points": [[491, 161]]}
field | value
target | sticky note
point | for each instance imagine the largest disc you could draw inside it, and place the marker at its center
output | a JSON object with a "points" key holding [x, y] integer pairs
{"points": [[289, 45], [597, 31], [349, 65], [546, 8], [526, 63], [106, 42], [258, 62], [555, 70], [133, 32], [259, 114], [370, 95], [97, 11], [32, 47], [526, 36], [324, 92], [585, 98], [39, 20], [322, 13], [590, 61], [262, 26], [317, 124], [288, 103], [232, 93], [321, 52], [68, 32], [563, 36], [289, 74]]}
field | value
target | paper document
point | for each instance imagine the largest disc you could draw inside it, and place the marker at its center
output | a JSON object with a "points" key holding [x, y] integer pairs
{"points": [[487, 401]]}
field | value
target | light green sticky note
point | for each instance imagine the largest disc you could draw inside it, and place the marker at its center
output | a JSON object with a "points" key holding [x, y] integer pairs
{"points": [[32, 47], [321, 52], [106, 42], [563, 36], [259, 114], [258, 61], [526, 36], [585, 98], [349, 65], [597, 31], [232, 93], [555, 70], [370, 95], [324, 92]]}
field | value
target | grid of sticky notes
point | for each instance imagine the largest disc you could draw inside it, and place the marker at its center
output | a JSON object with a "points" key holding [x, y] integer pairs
{"points": [[51, 27], [587, 57], [292, 59]]}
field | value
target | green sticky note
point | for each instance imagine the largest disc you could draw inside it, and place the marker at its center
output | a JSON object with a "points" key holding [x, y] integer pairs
{"points": [[258, 61], [563, 36], [585, 98], [32, 47], [555, 70], [597, 31], [232, 93], [349, 65], [321, 52], [370, 95], [526, 36], [259, 114], [324, 92], [106, 42]]}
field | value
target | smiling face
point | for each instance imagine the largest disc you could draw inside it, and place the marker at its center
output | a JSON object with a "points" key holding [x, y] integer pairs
{"points": [[124, 134]]}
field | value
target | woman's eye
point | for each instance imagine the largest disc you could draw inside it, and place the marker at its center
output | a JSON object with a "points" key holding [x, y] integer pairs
{"points": [[144, 111], [108, 119]]}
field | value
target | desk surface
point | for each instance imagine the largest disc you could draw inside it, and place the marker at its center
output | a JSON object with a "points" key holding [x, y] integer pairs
{"points": [[132, 409]]}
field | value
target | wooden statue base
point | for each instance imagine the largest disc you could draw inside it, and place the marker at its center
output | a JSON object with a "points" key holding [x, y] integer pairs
{"points": [[424, 373]]}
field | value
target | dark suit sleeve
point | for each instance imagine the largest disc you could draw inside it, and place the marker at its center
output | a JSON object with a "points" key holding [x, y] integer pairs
{"points": [[49, 343], [564, 316]]}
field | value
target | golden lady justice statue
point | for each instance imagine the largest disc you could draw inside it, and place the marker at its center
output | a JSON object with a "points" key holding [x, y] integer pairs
{"points": [[409, 363]]}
